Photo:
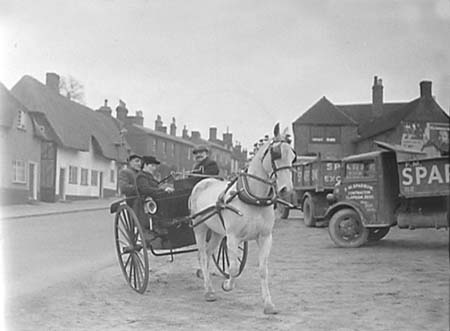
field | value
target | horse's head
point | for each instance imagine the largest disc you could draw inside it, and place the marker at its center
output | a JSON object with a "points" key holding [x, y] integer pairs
{"points": [[277, 159]]}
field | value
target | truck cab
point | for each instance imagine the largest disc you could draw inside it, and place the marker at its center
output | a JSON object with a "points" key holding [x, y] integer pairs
{"points": [[376, 192]]}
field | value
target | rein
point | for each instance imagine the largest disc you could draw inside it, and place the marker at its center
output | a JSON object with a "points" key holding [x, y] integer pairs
{"points": [[243, 190]]}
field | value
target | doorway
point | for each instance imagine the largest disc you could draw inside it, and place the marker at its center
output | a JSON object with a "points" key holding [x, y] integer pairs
{"points": [[62, 184], [32, 185]]}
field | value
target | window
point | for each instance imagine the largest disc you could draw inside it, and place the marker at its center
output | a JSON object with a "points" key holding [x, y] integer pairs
{"points": [[84, 176], [189, 151], [94, 177], [164, 147], [154, 145], [19, 171], [21, 120], [172, 148], [325, 134], [112, 176], [360, 169], [73, 175]]}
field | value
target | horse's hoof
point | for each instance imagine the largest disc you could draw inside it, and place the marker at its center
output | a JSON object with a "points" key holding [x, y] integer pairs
{"points": [[270, 310], [226, 287], [199, 273], [210, 296]]}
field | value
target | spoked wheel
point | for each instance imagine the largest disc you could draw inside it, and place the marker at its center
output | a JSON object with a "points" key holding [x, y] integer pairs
{"points": [[131, 249], [222, 261]]}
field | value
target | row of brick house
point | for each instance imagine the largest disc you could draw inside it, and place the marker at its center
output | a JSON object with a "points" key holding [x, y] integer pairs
{"points": [[56, 149], [338, 130]]}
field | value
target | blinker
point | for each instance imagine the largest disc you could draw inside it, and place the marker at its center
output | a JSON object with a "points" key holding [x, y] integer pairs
{"points": [[275, 152]]}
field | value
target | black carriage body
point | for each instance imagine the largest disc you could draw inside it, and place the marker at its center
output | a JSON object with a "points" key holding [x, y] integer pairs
{"points": [[171, 218]]}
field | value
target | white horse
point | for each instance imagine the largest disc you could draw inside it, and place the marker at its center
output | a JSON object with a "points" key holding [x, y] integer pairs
{"points": [[268, 175]]}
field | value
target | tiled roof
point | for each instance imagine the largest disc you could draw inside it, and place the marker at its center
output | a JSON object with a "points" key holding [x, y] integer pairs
{"points": [[74, 124], [425, 109], [163, 135], [325, 113]]}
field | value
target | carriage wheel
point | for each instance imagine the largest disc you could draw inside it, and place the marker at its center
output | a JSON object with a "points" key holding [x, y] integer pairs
{"points": [[131, 249], [222, 261]]}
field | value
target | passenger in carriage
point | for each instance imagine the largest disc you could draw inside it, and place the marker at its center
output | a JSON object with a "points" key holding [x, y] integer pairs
{"points": [[127, 178], [148, 186], [204, 165]]}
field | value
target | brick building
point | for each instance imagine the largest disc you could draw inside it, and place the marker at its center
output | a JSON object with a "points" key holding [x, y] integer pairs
{"points": [[335, 131]]}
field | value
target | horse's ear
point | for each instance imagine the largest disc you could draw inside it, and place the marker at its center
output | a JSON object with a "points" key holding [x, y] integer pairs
{"points": [[276, 130], [285, 132]]}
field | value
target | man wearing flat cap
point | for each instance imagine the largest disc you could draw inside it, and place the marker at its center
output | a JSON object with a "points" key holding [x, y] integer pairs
{"points": [[127, 178], [203, 164]]}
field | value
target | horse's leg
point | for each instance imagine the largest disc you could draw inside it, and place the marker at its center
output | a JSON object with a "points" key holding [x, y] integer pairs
{"points": [[233, 253], [265, 244], [200, 236], [211, 246]]}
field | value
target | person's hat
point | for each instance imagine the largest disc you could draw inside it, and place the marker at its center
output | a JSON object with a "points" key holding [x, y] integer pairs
{"points": [[150, 160], [134, 156], [200, 148]]}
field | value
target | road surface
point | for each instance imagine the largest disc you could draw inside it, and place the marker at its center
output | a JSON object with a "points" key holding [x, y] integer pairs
{"points": [[62, 274]]}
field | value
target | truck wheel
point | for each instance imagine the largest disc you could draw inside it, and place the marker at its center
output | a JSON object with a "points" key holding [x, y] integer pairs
{"points": [[308, 212], [346, 229], [282, 211], [376, 234]]}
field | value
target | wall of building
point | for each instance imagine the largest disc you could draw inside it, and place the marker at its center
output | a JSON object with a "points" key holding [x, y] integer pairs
{"points": [[19, 144], [107, 169], [344, 147]]}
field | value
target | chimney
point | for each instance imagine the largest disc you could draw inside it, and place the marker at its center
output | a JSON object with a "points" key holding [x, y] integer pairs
{"points": [[121, 111], [228, 139], [173, 127], [377, 96], [212, 134], [195, 135], [425, 89], [139, 118], [52, 81], [185, 134], [158, 123], [105, 109]]}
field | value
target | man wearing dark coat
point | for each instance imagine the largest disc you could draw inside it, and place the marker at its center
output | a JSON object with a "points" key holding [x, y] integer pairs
{"points": [[203, 164], [127, 178], [148, 186]]}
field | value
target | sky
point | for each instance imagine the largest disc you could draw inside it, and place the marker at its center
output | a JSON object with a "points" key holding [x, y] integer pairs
{"points": [[237, 65]]}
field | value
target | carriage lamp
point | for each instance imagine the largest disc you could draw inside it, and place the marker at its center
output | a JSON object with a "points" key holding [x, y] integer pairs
{"points": [[150, 206]]}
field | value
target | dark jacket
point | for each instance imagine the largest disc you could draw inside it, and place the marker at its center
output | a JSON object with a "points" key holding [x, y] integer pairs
{"points": [[206, 167], [127, 182], [147, 185]]}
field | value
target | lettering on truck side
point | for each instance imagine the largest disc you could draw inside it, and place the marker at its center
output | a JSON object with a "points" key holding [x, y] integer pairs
{"points": [[422, 175]]}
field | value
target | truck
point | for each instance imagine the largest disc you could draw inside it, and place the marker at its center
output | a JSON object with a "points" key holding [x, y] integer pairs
{"points": [[313, 179], [376, 192]]}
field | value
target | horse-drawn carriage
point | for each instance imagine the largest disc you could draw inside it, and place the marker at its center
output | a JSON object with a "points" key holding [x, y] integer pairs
{"points": [[172, 231], [215, 217]]}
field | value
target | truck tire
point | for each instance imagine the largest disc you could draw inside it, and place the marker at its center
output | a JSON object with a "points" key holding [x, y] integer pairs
{"points": [[376, 234], [347, 230], [308, 212]]}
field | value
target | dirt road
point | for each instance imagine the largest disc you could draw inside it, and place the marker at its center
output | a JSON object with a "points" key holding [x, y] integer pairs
{"points": [[399, 283]]}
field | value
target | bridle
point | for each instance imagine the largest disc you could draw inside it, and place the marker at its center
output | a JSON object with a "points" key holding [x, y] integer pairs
{"points": [[275, 154]]}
